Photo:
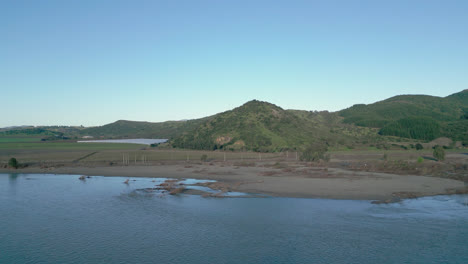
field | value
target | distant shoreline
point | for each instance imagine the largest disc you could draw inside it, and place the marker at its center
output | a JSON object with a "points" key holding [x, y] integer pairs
{"points": [[330, 183], [142, 141]]}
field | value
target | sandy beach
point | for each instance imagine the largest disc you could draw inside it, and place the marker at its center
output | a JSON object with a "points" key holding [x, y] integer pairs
{"points": [[316, 182]]}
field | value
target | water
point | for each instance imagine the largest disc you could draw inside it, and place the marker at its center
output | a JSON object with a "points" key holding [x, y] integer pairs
{"points": [[60, 219], [143, 141]]}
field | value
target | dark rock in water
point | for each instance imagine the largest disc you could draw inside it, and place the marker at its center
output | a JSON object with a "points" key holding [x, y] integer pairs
{"points": [[175, 191], [82, 177], [387, 201]]}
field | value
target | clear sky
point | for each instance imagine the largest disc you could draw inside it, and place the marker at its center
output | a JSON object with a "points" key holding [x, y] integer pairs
{"points": [[95, 62]]}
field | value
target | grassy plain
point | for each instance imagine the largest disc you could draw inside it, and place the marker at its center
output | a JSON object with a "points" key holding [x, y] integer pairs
{"points": [[36, 153], [19, 139]]}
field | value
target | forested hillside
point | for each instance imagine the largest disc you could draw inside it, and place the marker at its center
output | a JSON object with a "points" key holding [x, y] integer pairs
{"points": [[136, 129], [261, 126], [415, 116]]}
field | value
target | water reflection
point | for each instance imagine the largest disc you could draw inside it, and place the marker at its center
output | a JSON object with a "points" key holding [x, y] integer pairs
{"points": [[12, 180], [12, 177]]}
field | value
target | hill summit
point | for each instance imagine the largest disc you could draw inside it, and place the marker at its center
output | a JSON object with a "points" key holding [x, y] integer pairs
{"points": [[262, 126]]}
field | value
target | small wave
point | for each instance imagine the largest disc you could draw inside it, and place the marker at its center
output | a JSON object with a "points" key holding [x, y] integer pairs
{"points": [[443, 206]]}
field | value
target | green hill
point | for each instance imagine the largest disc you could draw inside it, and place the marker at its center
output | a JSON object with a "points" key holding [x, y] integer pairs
{"points": [[42, 132], [261, 126], [136, 129], [414, 116]]}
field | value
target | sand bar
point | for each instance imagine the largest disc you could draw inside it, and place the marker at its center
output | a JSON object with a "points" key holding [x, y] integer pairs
{"points": [[316, 183]]}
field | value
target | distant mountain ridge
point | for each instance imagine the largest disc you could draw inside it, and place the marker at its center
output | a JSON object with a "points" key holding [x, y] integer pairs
{"points": [[412, 116], [141, 129], [448, 108], [262, 126]]}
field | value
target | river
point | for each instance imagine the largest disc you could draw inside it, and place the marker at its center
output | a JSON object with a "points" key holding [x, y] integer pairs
{"points": [[60, 219]]}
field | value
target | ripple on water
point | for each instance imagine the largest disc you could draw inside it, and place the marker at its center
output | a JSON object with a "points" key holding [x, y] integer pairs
{"points": [[60, 219], [442, 207]]}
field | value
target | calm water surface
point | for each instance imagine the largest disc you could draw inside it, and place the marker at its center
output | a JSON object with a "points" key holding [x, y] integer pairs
{"points": [[60, 219], [143, 141]]}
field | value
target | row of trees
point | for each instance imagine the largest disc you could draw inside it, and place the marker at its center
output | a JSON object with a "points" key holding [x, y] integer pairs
{"points": [[414, 127]]}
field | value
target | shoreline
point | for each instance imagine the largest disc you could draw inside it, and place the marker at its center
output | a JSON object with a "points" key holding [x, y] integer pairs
{"points": [[318, 182]]}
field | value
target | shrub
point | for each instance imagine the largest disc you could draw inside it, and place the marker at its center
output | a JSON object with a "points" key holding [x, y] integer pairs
{"points": [[420, 159], [314, 152], [203, 157], [419, 146], [439, 153], [13, 163]]}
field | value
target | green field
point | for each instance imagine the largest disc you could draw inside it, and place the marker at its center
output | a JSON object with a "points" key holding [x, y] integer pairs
{"points": [[104, 153], [18, 139]]}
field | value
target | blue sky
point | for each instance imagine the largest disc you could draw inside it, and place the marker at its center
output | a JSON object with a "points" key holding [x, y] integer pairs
{"points": [[94, 62]]}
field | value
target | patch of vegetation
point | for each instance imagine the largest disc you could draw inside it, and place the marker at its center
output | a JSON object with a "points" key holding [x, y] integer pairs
{"points": [[413, 127], [44, 132], [385, 156], [28, 132], [439, 153], [457, 131], [13, 163], [315, 152], [18, 139]]}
